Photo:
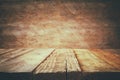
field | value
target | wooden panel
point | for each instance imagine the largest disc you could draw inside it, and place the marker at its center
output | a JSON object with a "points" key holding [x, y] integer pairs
{"points": [[73, 68], [54, 63], [61, 65], [13, 54], [91, 63], [54, 67], [27, 62], [72, 63], [109, 56]]}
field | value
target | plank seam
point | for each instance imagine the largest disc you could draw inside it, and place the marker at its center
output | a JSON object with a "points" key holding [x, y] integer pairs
{"points": [[33, 72], [66, 69], [17, 56], [77, 60]]}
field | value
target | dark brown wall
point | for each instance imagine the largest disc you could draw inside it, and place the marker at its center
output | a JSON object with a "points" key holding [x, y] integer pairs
{"points": [[60, 24]]}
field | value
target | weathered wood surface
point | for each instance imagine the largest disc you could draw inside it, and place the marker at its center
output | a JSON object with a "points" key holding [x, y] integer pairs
{"points": [[60, 64], [51, 66], [10, 55], [110, 56], [72, 66], [92, 63], [55, 63], [26, 62]]}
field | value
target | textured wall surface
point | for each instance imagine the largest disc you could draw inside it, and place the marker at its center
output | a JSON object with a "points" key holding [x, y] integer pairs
{"points": [[59, 24]]}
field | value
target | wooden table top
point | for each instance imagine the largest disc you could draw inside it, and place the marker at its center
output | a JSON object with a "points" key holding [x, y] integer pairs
{"points": [[59, 64]]}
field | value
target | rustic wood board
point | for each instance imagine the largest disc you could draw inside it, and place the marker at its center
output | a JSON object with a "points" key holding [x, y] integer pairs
{"points": [[106, 55], [61, 65], [72, 63], [13, 54], [27, 62], [72, 66], [54, 67], [91, 63]]}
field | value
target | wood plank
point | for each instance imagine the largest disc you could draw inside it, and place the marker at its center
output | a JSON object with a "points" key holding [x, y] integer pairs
{"points": [[72, 63], [91, 63], [54, 63], [61, 65], [54, 67], [108, 56], [73, 68], [26, 62], [13, 54]]}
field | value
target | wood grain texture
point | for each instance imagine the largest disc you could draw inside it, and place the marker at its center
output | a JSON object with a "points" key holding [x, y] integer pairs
{"points": [[72, 63], [54, 67], [13, 54], [60, 64], [74, 71], [112, 57], [27, 62], [91, 63], [56, 62]]}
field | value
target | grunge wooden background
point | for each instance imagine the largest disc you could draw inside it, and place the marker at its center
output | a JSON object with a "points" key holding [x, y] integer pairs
{"points": [[59, 64], [59, 40]]}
